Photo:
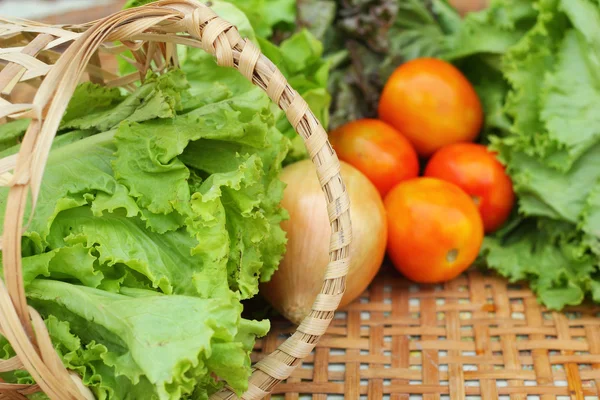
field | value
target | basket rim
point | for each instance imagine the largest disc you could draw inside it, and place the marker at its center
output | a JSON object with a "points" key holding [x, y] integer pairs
{"points": [[155, 22]]}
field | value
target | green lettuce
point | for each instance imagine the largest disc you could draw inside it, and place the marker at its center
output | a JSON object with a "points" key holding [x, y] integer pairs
{"points": [[266, 15], [161, 346], [299, 56], [552, 255], [11, 133], [158, 213]]}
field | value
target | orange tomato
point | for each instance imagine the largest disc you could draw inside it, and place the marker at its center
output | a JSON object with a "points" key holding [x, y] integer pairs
{"points": [[434, 230], [432, 104], [377, 150], [476, 171]]}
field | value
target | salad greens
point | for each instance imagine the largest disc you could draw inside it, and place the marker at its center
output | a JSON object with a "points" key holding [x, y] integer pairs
{"points": [[159, 213], [148, 233], [297, 53]]}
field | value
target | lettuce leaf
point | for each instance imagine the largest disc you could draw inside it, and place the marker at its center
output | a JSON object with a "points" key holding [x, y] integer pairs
{"points": [[67, 184], [162, 342], [563, 113], [265, 15], [158, 97], [172, 211], [117, 239], [67, 263], [299, 57], [11, 133], [493, 31], [545, 192], [552, 255]]}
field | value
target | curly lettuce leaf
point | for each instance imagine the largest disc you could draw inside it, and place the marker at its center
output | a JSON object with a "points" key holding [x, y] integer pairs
{"points": [[166, 260], [562, 112], [233, 213], [420, 30], [75, 263], [526, 65], [591, 216], [552, 256], [232, 359], [158, 97], [90, 98], [167, 340], [145, 161], [67, 184], [254, 202], [554, 170], [492, 31], [543, 191]]}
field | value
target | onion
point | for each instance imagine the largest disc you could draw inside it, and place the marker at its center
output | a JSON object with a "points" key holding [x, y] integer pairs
{"points": [[297, 282]]}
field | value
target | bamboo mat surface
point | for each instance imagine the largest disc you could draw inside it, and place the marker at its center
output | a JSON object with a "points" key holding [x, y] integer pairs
{"points": [[476, 337]]}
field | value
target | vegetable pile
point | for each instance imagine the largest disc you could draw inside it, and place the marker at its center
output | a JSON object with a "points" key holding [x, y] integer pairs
{"points": [[534, 66], [551, 145], [161, 211], [540, 89]]}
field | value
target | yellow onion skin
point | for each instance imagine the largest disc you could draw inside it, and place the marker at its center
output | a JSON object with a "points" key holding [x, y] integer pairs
{"points": [[296, 283]]}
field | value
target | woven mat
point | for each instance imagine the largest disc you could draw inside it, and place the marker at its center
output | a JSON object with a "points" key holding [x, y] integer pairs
{"points": [[476, 337]]}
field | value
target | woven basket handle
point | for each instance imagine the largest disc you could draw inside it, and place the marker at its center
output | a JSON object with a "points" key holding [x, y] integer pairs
{"points": [[158, 22]]}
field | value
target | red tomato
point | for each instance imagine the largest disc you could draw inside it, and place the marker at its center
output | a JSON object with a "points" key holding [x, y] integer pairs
{"points": [[476, 171], [377, 150], [434, 230], [432, 104]]}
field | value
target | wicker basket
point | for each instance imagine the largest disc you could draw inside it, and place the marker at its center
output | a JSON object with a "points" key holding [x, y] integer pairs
{"points": [[52, 60]]}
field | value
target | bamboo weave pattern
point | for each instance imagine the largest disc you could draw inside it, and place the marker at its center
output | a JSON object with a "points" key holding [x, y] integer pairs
{"points": [[476, 337]]}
